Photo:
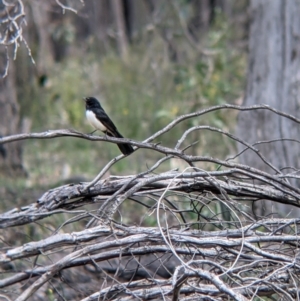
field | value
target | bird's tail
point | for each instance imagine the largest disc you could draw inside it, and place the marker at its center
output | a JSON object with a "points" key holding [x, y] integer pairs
{"points": [[125, 148]]}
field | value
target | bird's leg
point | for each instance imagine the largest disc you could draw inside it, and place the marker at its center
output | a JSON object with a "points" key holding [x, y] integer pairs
{"points": [[92, 132]]}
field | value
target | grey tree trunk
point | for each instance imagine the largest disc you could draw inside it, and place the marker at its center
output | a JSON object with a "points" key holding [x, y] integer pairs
{"points": [[273, 79], [122, 39], [41, 18], [11, 153]]}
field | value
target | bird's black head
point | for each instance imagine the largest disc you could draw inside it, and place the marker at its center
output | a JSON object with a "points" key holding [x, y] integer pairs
{"points": [[91, 102]]}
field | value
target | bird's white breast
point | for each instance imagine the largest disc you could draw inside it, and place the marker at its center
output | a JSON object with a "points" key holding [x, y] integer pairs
{"points": [[94, 121]]}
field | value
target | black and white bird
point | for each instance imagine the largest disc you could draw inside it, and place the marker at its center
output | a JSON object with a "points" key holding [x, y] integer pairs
{"points": [[98, 118]]}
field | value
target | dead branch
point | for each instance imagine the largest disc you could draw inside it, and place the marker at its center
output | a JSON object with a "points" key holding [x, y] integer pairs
{"points": [[191, 251]]}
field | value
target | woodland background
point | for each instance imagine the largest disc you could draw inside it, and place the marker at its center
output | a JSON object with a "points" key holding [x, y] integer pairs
{"points": [[172, 58]]}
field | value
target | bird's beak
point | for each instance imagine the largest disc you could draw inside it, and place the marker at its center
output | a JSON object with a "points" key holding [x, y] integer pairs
{"points": [[84, 99]]}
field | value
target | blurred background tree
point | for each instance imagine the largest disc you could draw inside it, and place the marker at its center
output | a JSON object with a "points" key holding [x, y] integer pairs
{"points": [[273, 79]]}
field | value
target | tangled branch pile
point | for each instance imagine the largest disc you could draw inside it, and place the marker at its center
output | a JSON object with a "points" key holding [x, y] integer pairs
{"points": [[205, 242]]}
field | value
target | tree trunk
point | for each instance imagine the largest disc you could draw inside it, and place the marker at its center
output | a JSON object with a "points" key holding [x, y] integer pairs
{"points": [[96, 20], [41, 18], [200, 22], [11, 153], [204, 13], [122, 39], [273, 79]]}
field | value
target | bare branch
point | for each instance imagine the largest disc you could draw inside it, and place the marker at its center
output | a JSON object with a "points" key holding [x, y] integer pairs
{"points": [[192, 249]]}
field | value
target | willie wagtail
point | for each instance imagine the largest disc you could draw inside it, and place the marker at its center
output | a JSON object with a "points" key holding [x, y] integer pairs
{"points": [[100, 121]]}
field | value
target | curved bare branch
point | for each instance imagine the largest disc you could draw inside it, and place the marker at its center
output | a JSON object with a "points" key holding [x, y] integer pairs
{"points": [[192, 250]]}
